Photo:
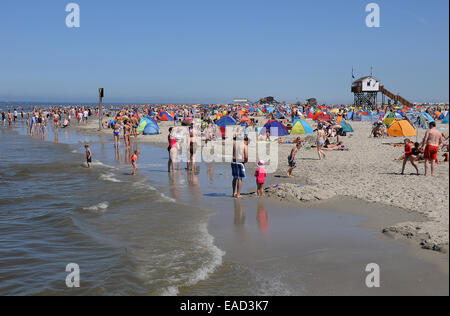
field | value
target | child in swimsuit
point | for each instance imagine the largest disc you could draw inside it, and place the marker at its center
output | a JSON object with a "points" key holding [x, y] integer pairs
{"points": [[133, 162], [260, 175]]}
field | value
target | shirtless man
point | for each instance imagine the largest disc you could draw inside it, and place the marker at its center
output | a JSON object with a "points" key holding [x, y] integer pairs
{"points": [[240, 158], [431, 142], [10, 118]]}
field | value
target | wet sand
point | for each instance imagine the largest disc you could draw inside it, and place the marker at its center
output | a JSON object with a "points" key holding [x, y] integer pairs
{"points": [[367, 172], [312, 248]]}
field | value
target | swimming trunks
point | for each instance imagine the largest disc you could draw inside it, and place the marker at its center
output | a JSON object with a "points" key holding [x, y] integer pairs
{"points": [[291, 163], [431, 153], [238, 170]]}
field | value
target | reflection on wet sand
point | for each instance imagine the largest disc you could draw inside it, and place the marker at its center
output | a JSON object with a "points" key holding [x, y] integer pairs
{"points": [[262, 217], [239, 215], [211, 173], [173, 180], [55, 131], [193, 181]]}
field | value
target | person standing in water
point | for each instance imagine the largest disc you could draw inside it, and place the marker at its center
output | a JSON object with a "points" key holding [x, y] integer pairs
{"points": [[173, 150], [134, 159], [88, 156], [10, 118], [240, 158]]}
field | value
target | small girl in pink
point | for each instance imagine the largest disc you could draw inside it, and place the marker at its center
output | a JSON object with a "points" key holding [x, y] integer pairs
{"points": [[260, 175]]}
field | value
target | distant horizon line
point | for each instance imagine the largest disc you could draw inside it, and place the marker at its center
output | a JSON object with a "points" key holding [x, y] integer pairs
{"points": [[35, 102]]}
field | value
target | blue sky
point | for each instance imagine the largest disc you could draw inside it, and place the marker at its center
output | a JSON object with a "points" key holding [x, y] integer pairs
{"points": [[212, 51]]}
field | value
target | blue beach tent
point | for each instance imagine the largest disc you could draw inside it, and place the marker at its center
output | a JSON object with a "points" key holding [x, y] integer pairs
{"points": [[148, 126], [347, 128], [276, 126], [226, 121], [445, 121]]}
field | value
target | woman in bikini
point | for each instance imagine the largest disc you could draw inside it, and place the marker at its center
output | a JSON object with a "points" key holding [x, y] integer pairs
{"points": [[173, 150], [116, 134], [321, 138], [127, 134]]}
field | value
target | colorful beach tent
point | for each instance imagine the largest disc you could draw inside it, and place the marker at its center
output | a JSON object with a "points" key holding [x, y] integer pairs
{"points": [[148, 126], [166, 117], [275, 128], [301, 127], [390, 118], [402, 129], [226, 121], [445, 121], [423, 120], [347, 128], [322, 116]]}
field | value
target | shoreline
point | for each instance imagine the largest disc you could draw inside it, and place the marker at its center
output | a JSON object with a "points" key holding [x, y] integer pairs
{"points": [[314, 243], [367, 172]]}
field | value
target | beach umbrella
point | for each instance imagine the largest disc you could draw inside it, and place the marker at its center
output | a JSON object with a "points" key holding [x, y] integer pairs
{"points": [[402, 129], [446, 119]]}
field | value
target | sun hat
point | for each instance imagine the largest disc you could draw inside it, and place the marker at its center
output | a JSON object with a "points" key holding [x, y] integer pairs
{"points": [[260, 163]]}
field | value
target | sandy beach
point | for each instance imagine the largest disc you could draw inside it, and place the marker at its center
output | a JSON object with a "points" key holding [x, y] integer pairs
{"points": [[368, 171]]}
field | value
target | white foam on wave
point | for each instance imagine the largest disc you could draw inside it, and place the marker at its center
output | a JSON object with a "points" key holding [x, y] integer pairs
{"points": [[109, 177], [165, 198], [101, 164], [102, 207], [205, 241], [170, 291], [142, 185]]}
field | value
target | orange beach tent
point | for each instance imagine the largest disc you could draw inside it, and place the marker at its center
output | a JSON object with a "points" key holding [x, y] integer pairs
{"points": [[402, 129]]}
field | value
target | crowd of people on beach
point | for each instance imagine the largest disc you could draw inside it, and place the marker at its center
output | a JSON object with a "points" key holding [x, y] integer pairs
{"points": [[203, 124]]}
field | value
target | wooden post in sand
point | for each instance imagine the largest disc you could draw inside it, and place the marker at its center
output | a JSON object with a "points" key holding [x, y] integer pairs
{"points": [[100, 109]]}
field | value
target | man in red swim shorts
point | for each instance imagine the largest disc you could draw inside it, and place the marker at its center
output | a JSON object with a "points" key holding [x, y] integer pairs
{"points": [[432, 141]]}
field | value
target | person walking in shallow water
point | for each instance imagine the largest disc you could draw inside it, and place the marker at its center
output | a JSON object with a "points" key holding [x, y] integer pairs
{"points": [[88, 156], [134, 159]]}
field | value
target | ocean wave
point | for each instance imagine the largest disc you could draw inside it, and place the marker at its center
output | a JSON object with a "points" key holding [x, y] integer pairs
{"points": [[165, 198], [102, 207], [142, 185], [205, 241], [101, 164], [109, 177]]}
